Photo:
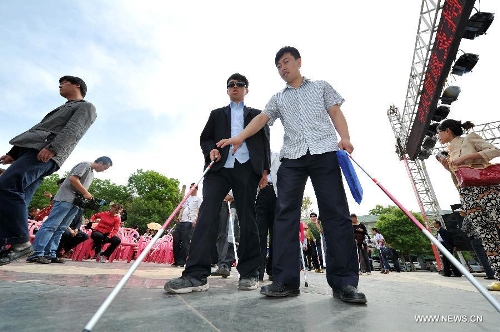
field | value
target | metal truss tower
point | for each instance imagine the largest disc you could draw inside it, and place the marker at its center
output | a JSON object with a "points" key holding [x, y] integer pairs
{"points": [[401, 123]]}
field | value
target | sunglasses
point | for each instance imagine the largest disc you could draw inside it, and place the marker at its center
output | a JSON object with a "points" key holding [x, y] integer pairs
{"points": [[238, 84]]}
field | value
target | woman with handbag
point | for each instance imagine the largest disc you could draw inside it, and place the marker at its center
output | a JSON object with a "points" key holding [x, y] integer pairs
{"points": [[478, 184]]}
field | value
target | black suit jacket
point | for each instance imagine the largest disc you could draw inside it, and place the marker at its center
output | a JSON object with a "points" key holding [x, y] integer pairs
{"points": [[447, 239], [218, 127]]}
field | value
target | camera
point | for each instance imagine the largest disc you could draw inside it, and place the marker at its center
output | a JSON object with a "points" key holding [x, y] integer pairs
{"points": [[441, 154], [92, 204]]}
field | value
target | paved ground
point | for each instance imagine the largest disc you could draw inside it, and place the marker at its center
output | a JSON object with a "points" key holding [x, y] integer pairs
{"points": [[64, 297]]}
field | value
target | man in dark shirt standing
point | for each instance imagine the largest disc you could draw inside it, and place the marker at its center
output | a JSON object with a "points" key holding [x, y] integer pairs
{"points": [[446, 240], [360, 233]]}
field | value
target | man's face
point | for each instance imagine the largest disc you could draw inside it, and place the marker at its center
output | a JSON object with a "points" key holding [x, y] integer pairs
{"points": [[314, 218], [354, 220], [101, 167], [66, 88], [236, 90], [288, 67]]}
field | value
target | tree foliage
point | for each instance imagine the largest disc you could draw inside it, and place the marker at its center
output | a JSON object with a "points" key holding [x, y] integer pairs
{"points": [[148, 196], [49, 184], [399, 231], [305, 209], [155, 197]]}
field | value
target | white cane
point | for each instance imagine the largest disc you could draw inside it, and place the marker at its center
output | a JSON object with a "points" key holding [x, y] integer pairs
{"points": [[303, 264], [104, 306], [231, 231]]}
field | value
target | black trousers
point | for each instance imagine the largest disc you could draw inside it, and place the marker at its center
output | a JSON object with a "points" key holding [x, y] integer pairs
{"points": [[447, 266], [101, 239], [363, 253], [181, 235], [68, 241], [326, 178], [265, 207], [216, 185]]}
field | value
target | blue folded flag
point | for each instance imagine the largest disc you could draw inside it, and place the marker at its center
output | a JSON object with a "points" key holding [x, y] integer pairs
{"points": [[350, 176]]}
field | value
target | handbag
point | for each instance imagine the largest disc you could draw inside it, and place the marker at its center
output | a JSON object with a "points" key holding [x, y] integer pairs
{"points": [[468, 176]]}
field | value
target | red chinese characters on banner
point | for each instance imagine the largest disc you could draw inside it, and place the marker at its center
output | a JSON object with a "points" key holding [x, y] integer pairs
{"points": [[454, 16], [442, 43]]}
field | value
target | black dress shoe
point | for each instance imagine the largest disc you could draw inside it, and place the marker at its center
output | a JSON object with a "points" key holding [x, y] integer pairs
{"points": [[490, 278], [348, 293], [277, 289]]}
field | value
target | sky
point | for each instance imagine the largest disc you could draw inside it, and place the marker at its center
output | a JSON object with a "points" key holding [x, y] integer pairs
{"points": [[155, 70]]}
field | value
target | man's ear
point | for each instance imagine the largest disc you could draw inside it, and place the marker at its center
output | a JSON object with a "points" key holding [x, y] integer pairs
{"points": [[246, 91]]}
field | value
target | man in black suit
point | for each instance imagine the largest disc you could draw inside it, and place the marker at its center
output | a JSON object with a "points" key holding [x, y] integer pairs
{"points": [[447, 241], [242, 172]]}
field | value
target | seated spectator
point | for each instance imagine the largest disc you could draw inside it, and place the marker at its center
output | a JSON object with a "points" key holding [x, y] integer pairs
{"points": [[105, 232], [33, 212], [72, 236]]}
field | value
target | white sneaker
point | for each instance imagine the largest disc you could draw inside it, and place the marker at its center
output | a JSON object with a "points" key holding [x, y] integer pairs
{"points": [[368, 273], [103, 259]]}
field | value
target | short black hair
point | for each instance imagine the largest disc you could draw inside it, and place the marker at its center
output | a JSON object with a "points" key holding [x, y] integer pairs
{"points": [[75, 80], [354, 215], [313, 214], [437, 222], [104, 160], [238, 77], [287, 49]]}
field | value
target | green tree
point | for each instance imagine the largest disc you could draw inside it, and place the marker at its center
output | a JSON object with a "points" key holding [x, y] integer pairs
{"points": [[111, 193], [49, 184], [400, 232], [155, 197], [305, 209]]}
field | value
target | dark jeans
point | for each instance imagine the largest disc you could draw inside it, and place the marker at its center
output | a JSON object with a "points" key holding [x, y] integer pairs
{"points": [[319, 252], [363, 253], [477, 245], [326, 177], [216, 185], [68, 241], [265, 207], [17, 186], [448, 267], [384, 261], [182, 235], [100, 239]]}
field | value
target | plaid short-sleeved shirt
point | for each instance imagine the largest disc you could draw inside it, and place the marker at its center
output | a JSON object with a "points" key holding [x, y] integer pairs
{"points": [[303, 111]]}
